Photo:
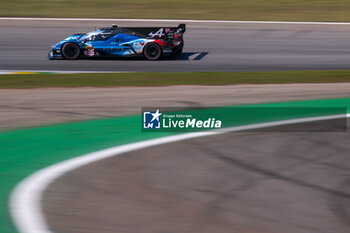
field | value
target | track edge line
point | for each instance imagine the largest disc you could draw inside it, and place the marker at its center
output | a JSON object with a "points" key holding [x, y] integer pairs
{"points": [[25, 199]]}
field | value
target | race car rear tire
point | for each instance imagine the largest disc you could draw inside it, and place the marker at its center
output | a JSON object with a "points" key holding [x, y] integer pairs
{"points": [[70, 51], [152, 51]]}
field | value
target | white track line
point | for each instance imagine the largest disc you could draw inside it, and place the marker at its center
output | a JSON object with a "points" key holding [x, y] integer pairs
{"points": [[176, 21], [60, 72], [25, 200]]}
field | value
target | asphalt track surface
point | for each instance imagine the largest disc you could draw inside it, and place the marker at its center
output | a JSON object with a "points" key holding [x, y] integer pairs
{"points": [[33, 107], [208, 47], [248, 182]]}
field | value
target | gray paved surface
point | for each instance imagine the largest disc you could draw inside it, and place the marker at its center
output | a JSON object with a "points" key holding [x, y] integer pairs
{"points": [[237, 182], [32, 107], [228, 47]]}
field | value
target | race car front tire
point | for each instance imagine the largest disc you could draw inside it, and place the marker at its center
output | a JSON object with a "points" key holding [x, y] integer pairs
{"points": [[70, 51], [152, 51]]}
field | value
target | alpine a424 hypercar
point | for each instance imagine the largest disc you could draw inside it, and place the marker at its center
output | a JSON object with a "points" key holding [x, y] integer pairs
{"points": [[150, 42]]}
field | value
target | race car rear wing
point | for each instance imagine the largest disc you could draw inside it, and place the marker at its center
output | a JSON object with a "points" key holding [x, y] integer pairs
{"points": [[160, 32]]}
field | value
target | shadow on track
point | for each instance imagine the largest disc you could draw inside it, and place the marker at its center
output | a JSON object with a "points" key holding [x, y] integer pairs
{"points": [[186, 56]]}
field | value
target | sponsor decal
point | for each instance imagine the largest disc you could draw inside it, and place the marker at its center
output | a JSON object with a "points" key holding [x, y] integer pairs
{"points": [[72, 38], [139, 43], [158, 34], [91, 52], [111, 49]]}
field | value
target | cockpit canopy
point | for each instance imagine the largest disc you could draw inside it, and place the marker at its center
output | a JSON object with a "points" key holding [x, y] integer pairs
{"points": [[106, 33], [96, 36]]}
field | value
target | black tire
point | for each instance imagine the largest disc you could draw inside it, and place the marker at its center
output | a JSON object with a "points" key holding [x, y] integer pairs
{"points": [[152, 51], [70, 51]]}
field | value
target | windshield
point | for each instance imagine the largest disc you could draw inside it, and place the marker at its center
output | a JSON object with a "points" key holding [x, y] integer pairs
{"points": [[96, 36]]}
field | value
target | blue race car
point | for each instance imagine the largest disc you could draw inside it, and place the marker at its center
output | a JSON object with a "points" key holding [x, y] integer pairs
{"points": [[149, 42]]}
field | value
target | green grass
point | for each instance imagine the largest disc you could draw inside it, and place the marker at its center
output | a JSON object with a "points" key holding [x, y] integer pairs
{"points": [[165, 79], [292, 10]]}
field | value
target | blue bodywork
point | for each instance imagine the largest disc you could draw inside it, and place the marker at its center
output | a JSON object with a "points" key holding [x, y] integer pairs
{"points": [[116, 42]]}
